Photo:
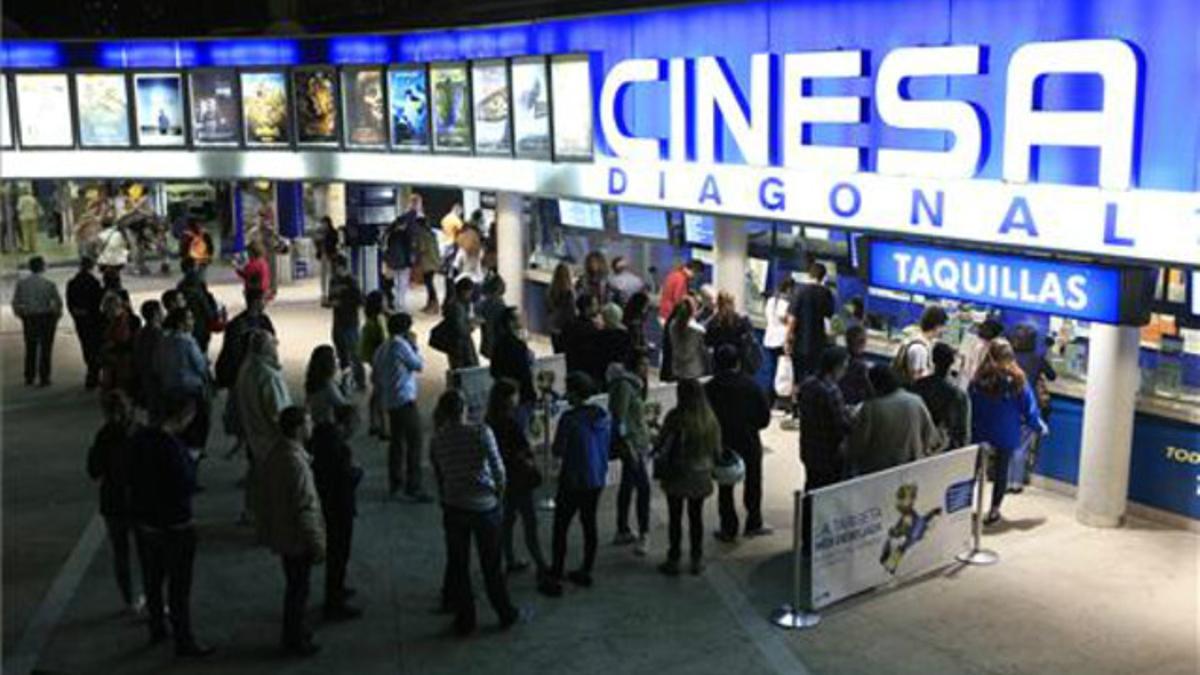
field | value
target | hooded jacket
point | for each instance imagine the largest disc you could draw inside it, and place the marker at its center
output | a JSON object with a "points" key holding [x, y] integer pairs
{"points": [[582, 440], [261, 395], [289, 512], [627, 406]]}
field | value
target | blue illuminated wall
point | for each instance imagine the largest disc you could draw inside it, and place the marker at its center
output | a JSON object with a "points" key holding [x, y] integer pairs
{"points": [[1166, 32]]}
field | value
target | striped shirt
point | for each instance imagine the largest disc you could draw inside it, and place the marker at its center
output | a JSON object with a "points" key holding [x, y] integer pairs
{"points": [[469, 468]]}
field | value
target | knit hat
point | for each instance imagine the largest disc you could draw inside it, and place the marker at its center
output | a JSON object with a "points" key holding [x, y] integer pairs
{"points": [[613, 316]]}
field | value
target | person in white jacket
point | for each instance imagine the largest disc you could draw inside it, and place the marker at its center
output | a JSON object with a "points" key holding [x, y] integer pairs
{"points": [[262, 394], [775, 337]]}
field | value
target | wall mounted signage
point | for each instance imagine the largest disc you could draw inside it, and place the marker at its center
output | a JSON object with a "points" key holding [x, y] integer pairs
{"points": [[531, 108], [159, 98], [265, 109], [365, 108], [408, 103], [102, 103], [451, 107], [490, 104], [1088, 292], [571, 98], [44, 110], [215, 110], [316, 106]]}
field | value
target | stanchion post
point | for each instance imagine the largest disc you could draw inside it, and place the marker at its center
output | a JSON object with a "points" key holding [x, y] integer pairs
{"points": [[979, 555], [546, 503], [794, 616]]}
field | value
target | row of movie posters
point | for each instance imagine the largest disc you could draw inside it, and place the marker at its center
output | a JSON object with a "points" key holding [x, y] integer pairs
{"points": [[491, 107]]}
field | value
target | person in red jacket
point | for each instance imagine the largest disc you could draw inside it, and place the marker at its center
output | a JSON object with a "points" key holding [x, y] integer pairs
{"points": [[256, 273], [674, 289]]}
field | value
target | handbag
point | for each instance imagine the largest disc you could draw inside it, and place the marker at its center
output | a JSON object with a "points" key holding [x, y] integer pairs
{"points": [[784, 377], [665, 464], [441, 338]]}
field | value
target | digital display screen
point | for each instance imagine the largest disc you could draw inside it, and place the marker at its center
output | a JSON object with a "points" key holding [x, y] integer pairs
{"points": [[571, 87], [490, 103], [216, 115], [159, 108], [451, 108], [586, 215], [531, 108], [316, 106], [636, 221], [408, 93], [698, 230], [44, 110], [103, 104], [265, 117], [365, 117]]}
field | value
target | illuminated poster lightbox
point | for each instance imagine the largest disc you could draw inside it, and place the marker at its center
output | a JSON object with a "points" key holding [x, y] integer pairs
{"points": [[265, 118], [531, 108], [159, 109], [365, 108], [451, 107], [216, 116], [102, 102], [408, 103], [316, 106], [6, 139], [490, 103], [44, 110], [571, 98]]}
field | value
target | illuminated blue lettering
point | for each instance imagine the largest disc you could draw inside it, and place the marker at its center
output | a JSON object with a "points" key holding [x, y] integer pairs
{"points": [[932, 212], [771, 194], [835, 200], [1110, 228], [1019, 217], [615, 186], [709, 191]]}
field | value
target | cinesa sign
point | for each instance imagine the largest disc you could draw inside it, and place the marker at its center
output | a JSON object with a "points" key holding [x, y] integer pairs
{"points": [[782, 173]]}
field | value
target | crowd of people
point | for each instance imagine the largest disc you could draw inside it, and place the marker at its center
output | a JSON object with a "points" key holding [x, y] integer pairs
{"points": [[158, 387]]}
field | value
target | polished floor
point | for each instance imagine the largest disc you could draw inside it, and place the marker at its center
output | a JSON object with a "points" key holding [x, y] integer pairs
{"points": [[1064, 598]]}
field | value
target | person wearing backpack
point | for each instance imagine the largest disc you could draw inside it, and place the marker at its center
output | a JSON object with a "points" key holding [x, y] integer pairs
{"points": [[454, 332], [914, 360], [727, 327], [233, 352]]}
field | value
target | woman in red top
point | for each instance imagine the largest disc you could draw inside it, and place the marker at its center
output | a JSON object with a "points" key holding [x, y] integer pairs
{"points": [[256, 273]]}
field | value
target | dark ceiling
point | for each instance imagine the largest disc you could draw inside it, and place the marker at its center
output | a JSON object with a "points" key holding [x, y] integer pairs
{"points": [[196, 18]]}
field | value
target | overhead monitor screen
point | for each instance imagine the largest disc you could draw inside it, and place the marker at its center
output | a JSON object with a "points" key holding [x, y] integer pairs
{"points": [[531, 108], [44, 110], [636, 221], [265, 115], [408, 93], [316, 106], [571, 95], [451, 107], [365, 117], [587, 215], [103, 107], [216, 114], [159, 109], [698, 230], [490, 103]]}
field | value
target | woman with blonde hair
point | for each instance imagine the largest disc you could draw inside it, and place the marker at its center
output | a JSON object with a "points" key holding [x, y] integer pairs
{"points": [[1002, 404], [689, 449]]}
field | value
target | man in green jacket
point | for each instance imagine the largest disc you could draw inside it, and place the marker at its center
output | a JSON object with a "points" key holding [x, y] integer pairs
{"points": [[631, 438]]}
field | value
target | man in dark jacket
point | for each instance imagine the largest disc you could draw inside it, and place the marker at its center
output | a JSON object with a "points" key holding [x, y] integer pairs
{"points": [[824, 421], [162, 482], [233, 352], [855, 385], [511, 357], [84, 294], [400, 248], [581, 442], [811, 306], [200, 301], [347, 301], [145, 345], [742, 411], [579, 340], [337, 480], [949, 406]]}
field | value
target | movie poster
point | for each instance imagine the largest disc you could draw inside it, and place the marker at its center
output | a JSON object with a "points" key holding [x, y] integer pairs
{"points": [[6, 139], [366, 120], [571, 94], [159, 98], [316, 106], [44, 110], [489, 92], [531, 108], [215, 112], [102, 102], [451, 108], [409, 93], [265, 109]]}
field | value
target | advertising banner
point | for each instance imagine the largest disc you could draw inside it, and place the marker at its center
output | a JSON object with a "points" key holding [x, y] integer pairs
{"points": [[265, 109], [489, 92], [44, 110], [159, 108], [531, 108], [316, 106], [6, 139], [365, 119], [571, 86], [408, 94], [451, 108], [103, 105], [215, 111], [889, 525]]}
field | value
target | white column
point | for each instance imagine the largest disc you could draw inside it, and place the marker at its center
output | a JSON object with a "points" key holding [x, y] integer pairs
{"points": [[510, 247], [470, 201], [730, 256], [1108, 416]]}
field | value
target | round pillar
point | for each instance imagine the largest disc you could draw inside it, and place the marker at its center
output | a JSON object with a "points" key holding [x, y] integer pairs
{"points": [[510, 247], [1108, 417], [731, 252]]}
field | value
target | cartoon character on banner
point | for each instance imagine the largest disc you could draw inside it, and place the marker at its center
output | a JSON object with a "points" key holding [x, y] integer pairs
{"points": [[909, 529]]}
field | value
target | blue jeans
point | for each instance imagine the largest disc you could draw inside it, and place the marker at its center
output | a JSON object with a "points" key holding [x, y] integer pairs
{"points": [[345, 343], [634, 477]]}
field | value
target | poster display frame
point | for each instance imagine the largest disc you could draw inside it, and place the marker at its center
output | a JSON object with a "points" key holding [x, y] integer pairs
{"points": [[294, 102], [185, 98], [544, 62], [77, 121], [505, 67], [243, 136], [469, 149], [344, 102], [555, 122], [7, 95], [237, 98], [423, 69], [15, 111]]}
